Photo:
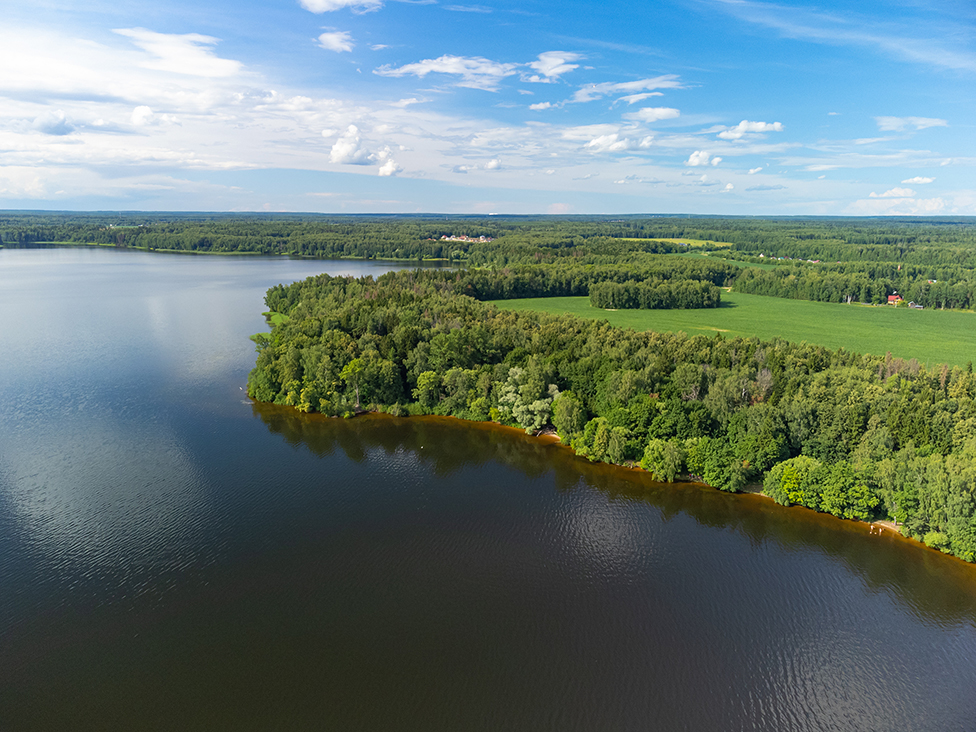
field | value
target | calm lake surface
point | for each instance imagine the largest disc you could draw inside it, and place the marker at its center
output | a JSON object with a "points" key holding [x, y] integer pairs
{"points": [[174, 557]]}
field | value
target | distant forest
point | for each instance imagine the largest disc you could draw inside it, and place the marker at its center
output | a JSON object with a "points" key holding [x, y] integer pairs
{"points": [[931, 262]]}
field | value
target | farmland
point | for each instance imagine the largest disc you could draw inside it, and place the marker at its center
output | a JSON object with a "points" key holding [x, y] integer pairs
{"points": [[931, 336]]}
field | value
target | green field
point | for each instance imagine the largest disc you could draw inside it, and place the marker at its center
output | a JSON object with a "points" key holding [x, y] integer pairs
{"points": [[685, 240], [931, 336]]}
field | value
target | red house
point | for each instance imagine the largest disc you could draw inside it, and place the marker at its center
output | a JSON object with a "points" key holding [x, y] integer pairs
{"points": [[894, 299]]}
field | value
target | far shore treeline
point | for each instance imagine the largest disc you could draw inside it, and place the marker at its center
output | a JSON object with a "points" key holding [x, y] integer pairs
{"points": [[931, 262]]}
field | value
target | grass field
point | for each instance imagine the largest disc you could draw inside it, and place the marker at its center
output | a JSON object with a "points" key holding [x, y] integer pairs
{"points": [[682, 240], [931, 336], [695, 254]]}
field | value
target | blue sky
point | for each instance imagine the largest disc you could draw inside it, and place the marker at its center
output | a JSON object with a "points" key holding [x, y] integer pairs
{"points": [[362, 106]]}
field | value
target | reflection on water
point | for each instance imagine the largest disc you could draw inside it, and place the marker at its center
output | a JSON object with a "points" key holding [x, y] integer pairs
{"points": [[175, 557], [941, 588]]}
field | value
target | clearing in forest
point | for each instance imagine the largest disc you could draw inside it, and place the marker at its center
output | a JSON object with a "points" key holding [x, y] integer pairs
{"points": [[931, 336]]}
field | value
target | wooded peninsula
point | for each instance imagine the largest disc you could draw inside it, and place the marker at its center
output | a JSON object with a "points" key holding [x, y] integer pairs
{"points": [[862, 436]]}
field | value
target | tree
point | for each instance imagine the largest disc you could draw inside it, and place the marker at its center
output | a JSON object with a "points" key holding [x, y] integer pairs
{"points": [[664, 459]]}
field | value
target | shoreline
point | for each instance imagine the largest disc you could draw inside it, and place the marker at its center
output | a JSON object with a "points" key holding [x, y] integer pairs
{"points": [[882, 528]]}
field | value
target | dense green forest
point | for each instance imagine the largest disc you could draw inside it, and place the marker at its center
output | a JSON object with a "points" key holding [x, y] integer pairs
{"points": [[860, 437], [929, 261]]}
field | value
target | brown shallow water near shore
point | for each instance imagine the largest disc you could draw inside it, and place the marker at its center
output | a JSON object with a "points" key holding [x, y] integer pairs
{"points": [[927, 578], [636, 481]]}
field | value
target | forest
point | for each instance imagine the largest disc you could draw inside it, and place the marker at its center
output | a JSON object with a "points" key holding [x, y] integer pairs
{"points": [[860, 437], [931, 262]]}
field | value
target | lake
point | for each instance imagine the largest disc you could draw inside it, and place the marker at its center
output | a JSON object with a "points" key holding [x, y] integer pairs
{"points": [[176, 557]]}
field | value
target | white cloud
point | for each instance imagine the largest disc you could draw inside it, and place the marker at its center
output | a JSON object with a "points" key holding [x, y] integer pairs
{"points": [[745, 127], [898, 124], [188, 54], [914, 41], [19, 182], [378, 47], [607, 143], [540, 106], [403, 103], [634, 98], [327, 6], [646, 142], [551, 65], [728, 187], [898, 206], [475, 72], [598, 91], [701, 157], [337, 41], [142, 116], [389, 168], [894, 193], [652, 114], [347, 149], [467, 9], [493, 164], [919, 180], [753, 171]]}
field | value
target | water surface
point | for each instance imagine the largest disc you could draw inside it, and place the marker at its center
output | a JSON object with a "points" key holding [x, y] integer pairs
{"points": [[173, 556]]}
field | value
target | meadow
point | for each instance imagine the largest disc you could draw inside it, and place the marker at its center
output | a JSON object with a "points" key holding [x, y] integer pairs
{"points": [[931, 336]]}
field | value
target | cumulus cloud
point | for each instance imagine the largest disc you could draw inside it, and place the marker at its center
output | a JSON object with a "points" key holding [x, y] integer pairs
{"points": [[894, 193], [598, 91], [540, 106], [646, 142], [753, 171], [652, 114], [348, 150], [53, 123], [475, 72], [327, 6], [745, 127], [389, 168], [190, 54], [493, 164], [728, 188], [898, 206], [337, 41], [142, 116], [551, 65], [899, 124], [700, 158], [607, 143], [919, 180]]}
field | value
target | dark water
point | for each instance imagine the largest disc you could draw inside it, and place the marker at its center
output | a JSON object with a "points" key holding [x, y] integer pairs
{"points": [[173, 557]]}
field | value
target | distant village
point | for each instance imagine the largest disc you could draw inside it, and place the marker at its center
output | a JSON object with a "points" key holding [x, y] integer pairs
{"points": [[462, 237]]}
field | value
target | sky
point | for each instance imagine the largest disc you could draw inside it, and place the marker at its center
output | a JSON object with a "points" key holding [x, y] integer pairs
{"points": [[724, 107]]}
